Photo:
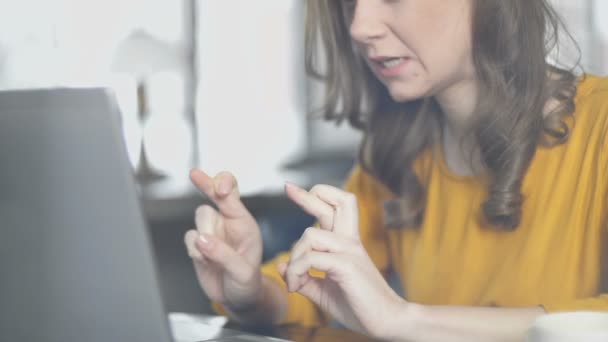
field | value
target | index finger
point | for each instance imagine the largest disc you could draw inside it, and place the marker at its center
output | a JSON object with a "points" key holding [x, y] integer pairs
{"points": [[312, 205], [344, 204], [222, 190], [203, 182], [336, 209]]}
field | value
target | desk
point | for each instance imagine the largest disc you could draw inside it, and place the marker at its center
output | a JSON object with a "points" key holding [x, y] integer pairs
{"points": [[200, 327], [302, 334]]}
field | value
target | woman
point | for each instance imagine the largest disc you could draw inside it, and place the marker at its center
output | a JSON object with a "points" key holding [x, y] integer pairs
{"points": [[482, 181]]}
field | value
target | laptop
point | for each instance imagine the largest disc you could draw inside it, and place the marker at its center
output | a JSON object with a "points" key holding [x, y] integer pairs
{"points": [[76, 261]]}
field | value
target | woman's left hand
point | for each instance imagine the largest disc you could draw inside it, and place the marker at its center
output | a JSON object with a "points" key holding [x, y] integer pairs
{"points": [[353, 290]]}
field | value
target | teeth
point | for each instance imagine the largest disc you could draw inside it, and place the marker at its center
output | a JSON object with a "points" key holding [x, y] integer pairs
{"points": [[393, 62]]}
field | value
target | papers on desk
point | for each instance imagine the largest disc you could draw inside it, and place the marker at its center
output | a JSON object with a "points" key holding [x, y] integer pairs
{"points": [[191, 328]]}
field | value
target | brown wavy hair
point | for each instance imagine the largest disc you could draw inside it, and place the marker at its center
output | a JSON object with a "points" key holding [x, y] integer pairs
{"points": [[512, 44]]}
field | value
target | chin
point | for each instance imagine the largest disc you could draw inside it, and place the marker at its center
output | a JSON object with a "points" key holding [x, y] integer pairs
{"points": [[411, 89], [402, 95]]}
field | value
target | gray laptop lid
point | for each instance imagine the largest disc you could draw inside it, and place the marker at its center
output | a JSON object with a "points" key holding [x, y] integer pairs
{"points": [[75, 257]]}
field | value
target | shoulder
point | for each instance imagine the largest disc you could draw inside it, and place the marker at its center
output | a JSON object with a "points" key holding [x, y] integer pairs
{"points": [[592, 99], [590, 131], [591, 114]]}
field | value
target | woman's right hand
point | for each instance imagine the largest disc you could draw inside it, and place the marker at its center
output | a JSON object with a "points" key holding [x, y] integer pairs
{"points": [[226, 246]]}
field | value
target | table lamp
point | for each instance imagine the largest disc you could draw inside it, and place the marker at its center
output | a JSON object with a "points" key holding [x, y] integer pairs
{"points": [[141, 55]]}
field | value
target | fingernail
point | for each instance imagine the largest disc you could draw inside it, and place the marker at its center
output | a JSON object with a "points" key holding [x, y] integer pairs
{"points": [[223, 188], [205, 242]]}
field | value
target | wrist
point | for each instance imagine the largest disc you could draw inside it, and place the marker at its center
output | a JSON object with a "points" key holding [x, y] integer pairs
{"points": [[248, 302], [402, 323], [265, 307]]}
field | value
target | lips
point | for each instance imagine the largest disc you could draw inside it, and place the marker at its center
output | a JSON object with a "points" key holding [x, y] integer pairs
{"points": [[389, 66]]}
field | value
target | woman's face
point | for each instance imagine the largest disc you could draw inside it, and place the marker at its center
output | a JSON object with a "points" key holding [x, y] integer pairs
{"points": [[416, 48]]}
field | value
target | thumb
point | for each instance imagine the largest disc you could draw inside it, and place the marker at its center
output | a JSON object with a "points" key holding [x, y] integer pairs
{"points": [[226, 257], [222, 190]]}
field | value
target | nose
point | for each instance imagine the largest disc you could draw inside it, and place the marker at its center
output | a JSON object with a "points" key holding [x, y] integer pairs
{"points": [[366, 24]]}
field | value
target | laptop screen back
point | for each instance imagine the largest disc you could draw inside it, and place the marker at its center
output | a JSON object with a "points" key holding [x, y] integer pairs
{"points": [[75, 256]]}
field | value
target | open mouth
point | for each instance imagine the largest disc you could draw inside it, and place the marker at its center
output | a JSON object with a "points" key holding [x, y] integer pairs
{"points": [[389, 63], [390, 66]]}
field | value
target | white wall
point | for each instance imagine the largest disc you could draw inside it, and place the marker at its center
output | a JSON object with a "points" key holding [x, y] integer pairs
{"points": [[587, 22], [251, 100]]}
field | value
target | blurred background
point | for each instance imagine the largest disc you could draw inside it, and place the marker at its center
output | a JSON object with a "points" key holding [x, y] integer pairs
{"points": [[216, 84]]}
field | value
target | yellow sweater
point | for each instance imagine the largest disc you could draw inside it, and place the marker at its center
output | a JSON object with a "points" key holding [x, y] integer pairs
{"points": [[553, 259]]}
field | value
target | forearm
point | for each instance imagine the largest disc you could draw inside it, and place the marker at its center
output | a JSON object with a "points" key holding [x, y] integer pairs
{"points": [[451, 324], [270, 306]]}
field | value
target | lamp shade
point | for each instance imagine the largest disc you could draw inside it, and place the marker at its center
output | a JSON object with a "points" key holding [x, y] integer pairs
{"points": [[141, 54]]}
